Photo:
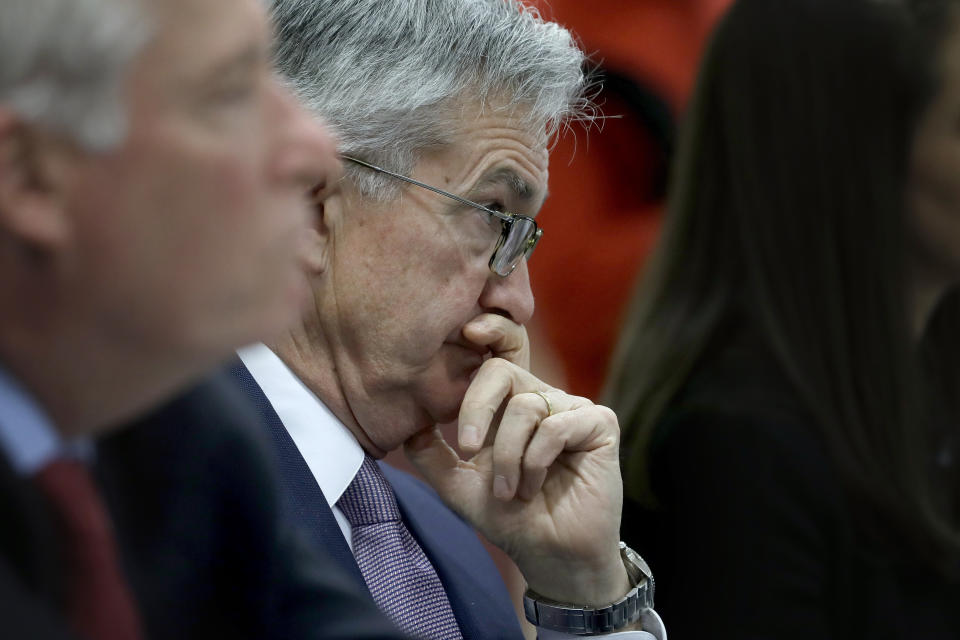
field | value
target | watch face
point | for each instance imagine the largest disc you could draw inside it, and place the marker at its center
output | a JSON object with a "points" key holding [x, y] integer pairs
{"points": [[634, 558], [640, 573]]}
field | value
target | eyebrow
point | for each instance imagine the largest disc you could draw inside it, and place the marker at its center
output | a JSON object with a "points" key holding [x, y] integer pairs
{"points": [[520, 187]]}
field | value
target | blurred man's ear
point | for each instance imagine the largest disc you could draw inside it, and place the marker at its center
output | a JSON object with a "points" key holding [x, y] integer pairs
{"points": [[32, 176], [327, 202]]}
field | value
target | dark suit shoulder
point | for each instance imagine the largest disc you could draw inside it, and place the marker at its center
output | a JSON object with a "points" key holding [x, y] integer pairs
{"points": [[24, 614], [209, 420], [196, 506]]}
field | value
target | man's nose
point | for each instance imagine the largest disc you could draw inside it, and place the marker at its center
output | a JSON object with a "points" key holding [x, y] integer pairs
{"points": [[510, 296]]}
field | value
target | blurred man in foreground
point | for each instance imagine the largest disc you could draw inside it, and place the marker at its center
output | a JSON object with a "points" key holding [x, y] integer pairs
{"points": [[444, 110], [152, 181]]}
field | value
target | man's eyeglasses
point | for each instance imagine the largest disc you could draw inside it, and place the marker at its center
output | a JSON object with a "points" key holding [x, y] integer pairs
{"points": [[519, 234]]}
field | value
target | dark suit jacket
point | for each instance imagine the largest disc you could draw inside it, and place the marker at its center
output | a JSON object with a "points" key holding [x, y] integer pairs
{"points": [[754, 537], [476, 591], [202, 542]]}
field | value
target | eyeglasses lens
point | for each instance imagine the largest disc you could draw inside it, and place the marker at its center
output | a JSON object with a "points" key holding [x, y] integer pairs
{"points": [[519, 243]]}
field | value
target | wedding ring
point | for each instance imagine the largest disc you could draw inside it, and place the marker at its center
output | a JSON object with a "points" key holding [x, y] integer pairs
{"points": [[547, 400]]}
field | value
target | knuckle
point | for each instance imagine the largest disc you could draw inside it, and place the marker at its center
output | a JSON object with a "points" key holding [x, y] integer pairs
{"points": [[526, 403], [551, 427], [573, 402], [608, 418], [608, 415], [581, 402]]}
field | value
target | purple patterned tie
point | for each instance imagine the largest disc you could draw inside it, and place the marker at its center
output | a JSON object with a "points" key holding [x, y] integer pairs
{"points": [[400, 577]]}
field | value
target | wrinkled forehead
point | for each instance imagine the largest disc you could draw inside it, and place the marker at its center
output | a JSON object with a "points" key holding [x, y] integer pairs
{"points": [[500, 139], [460, 146], [492, 122], [498, 109]]}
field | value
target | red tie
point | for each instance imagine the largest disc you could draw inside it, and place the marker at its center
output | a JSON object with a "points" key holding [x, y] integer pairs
{"points": [[99, 600]]}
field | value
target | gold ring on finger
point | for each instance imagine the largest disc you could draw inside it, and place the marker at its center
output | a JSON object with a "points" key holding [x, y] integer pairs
{"points": [[547, 400]]}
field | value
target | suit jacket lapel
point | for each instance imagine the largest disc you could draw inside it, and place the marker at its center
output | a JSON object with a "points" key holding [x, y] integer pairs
{"points": [[302, 497]]}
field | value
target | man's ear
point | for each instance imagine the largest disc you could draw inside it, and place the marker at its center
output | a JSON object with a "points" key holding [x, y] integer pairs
{"points": [[327, 202], [32, 180]]}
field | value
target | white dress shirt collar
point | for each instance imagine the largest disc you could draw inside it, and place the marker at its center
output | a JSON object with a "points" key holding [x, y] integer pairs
{"points": [[331, 451], [27, 436]]}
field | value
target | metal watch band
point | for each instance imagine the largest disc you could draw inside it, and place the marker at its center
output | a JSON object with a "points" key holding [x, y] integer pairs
{"points": [[568, 618]]}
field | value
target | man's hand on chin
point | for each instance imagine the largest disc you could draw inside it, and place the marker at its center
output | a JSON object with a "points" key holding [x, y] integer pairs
{"points": [[543, 482]]}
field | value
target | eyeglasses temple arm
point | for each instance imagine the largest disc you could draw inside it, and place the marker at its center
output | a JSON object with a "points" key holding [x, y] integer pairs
{"points": [[496, 214]]}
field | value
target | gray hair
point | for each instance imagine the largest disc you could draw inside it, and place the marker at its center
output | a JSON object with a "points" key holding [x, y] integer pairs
{"points": [[62, 64], [390, 76]]}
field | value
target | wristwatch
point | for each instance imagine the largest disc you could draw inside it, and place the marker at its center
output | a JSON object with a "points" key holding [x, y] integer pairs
{"points": [[588, 621]]}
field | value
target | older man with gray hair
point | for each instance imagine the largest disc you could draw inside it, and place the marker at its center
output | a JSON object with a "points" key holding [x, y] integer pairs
{"points": [[444, 110]]}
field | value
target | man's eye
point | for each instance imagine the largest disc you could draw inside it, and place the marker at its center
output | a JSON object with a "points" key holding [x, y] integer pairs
{"points": [[236, 93], [488, 219]]}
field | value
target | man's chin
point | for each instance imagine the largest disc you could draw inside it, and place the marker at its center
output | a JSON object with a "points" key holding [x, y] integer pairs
{"points": [[442, 393], [445, 407], [448, 413]]}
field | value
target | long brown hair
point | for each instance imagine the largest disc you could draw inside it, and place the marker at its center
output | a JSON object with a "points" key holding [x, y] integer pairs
{"points": [[788, 209]]}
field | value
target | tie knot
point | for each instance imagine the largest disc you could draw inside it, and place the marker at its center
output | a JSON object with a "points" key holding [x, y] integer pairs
{"points": [[369, 499]]}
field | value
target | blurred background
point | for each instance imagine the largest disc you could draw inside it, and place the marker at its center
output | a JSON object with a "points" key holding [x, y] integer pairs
{"points": [[607, 184]]}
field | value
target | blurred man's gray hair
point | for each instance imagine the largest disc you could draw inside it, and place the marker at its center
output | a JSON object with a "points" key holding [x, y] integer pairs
{"points": [[62, 64], [391, 76]]}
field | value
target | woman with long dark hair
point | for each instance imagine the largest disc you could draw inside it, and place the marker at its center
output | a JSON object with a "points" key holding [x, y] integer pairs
{"points": [[787, 379]]}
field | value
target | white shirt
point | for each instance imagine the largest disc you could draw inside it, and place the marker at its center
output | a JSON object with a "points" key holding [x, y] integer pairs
{"points": [[334, 456], [332, 453]]}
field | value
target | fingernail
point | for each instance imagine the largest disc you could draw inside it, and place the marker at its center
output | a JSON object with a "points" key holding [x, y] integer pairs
{"points": [[470, 436], [501, 488]]}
